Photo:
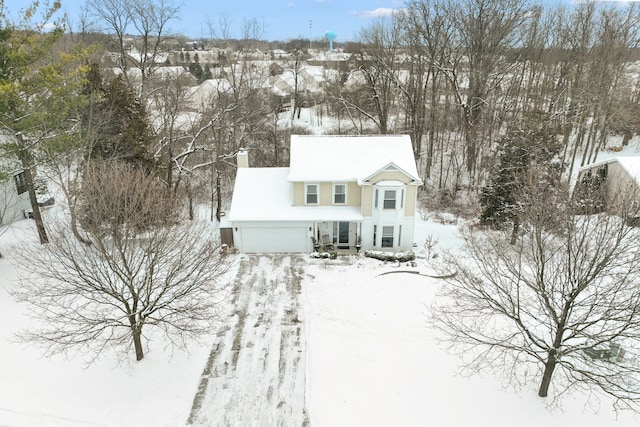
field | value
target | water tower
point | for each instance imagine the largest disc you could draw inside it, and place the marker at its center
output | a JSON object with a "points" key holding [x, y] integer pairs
{"points": [[331, 35]]}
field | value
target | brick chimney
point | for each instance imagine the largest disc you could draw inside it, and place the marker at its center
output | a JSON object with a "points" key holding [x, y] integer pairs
{"points": [[242, 158]]}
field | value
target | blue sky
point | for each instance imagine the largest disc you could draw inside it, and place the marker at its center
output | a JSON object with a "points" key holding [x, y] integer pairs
{"points": [[282, 19], [285, 19]]}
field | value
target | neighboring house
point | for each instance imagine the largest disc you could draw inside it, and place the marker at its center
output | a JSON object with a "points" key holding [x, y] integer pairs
{"points": [[171, 73], [14, 198], [338, 190], [317, 78], [618, 177], [280, 85], [334, 59], [14, 195], [200, 98], [280, 54], [311, 82], [159, 76]]}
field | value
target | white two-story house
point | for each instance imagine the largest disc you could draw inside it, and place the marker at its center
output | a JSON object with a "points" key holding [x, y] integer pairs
{"points": [[339, 191]]}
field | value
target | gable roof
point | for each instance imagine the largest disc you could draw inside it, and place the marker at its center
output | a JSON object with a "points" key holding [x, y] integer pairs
{"points": [[391, 167], [208, 90], [630, 164], [349, 158]]}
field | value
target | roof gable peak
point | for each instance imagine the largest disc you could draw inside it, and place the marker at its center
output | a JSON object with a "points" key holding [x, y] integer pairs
{"points": [[392, 167]]}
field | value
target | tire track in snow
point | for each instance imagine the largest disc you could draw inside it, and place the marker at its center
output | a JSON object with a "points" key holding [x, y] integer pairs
{"points": [[255, 374], [215, 365]]}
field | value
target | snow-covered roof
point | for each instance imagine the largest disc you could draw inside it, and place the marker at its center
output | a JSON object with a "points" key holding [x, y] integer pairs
{"points": [[264, 194], [355, 80], [309, 79], [331, 55], [170, 71], [349, 158], [208, 91], [630, 164]]}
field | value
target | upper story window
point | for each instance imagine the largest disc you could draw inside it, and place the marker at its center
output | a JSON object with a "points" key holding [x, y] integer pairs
{"points": [[311, 194], [340, 194], [21, 182], [389, 199]]}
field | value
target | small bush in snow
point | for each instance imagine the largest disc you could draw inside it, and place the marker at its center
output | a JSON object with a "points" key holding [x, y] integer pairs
{"points": [[403, 256], [324, 255]]}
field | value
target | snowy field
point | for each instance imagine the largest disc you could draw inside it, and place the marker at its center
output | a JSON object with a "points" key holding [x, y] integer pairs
{"points": [[373, 362], [307, 341], [59, 391]]}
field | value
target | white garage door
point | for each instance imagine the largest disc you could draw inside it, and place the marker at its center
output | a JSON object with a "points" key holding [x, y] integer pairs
{"points": [[279, 239]]}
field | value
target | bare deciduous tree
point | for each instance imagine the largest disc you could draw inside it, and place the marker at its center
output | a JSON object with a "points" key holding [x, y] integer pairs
{"points": [[221, 29], [561, 306], [143, 269], [148, 19], [487, 29]]}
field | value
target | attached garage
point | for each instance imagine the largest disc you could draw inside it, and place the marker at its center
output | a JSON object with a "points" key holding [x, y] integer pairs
{"points": [[272, 237], [264, 219]]}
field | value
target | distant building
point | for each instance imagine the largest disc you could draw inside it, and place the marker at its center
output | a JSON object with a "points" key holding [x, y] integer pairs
{"points": [[612, 184], [14, 195], [334, 60]]}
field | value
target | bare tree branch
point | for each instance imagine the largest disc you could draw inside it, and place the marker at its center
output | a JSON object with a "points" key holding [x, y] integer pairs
{"points": [[562, 302], [144, 269]]}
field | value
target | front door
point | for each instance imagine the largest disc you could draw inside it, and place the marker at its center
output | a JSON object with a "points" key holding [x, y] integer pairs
{"points": [[341, 234]]}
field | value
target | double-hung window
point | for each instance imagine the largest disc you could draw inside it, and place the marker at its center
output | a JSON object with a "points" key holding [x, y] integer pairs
{"points": [[340, 194], [387, 236], [21, 182], [311, 194], [389, 199]]}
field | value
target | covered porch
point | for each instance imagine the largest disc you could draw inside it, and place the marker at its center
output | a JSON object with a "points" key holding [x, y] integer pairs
{"points": [[337, 235]]}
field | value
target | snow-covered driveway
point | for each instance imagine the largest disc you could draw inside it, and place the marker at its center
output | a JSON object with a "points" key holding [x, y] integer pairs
{"points": [[256, 372]]}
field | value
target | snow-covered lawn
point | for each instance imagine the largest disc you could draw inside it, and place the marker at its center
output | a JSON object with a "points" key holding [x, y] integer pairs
{"points": [[59, 391], [373, 362], [330, 343]]}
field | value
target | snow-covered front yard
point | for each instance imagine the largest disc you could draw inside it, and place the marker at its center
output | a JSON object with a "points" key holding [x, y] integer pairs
{"points": [[306, 341]]}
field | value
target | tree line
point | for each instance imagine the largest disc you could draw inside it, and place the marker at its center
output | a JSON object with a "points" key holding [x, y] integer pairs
{"points": [[457, 74]]}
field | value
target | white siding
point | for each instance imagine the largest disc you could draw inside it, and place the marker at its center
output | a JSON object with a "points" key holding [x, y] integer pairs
{"points": [[272, 237]]}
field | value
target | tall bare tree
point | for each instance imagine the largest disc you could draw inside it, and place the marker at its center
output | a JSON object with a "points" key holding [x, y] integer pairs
{"points": [[144, 269], [376, 100], [148, 21], [429, 32], [561, 306], [486, 30]]}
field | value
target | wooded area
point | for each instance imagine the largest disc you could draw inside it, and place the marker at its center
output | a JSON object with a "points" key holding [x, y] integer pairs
{"points": [[455, 75]]}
